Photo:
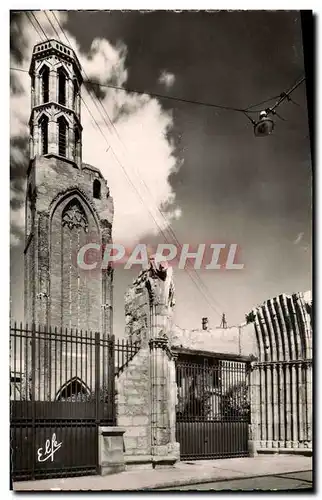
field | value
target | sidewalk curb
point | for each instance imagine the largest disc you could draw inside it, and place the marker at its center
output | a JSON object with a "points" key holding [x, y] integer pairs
{"points": [[212, 471], [216, 479]]}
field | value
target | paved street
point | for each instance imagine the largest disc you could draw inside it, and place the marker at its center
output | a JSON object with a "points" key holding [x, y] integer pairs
{"points": [[281, 471], [278, 482]]}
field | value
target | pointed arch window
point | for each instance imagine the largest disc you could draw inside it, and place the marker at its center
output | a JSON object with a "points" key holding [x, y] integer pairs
{"points": [[97, 189], [74, 390], [74, 216], [43, 122], [45, 83], [62, 136], [62, 81]]}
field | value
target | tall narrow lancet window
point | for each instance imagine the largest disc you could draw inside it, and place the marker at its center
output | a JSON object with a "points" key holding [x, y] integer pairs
{"points": [[33, 91], [45, 83], [62, 80], [76, 142], [29, 210], [44, 134], [96, 189], [75, 94], [62, 136]]}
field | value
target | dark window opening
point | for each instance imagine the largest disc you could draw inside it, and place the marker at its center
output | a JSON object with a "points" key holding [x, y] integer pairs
{"points": [[62, 136], [29, 210], [45, 83], [74, 390], [33, 83], [76, 141], [75, 94], [44, 135], [96, 189], [62, 87]]}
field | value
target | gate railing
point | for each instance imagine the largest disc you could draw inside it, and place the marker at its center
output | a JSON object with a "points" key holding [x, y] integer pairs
{"points": [[213, 407], [60, 364], [282, 402], [216, 391], [62, 385]]}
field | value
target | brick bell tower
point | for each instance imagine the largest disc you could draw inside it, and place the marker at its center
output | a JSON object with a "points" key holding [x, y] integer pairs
{"points": [[67, 202]]}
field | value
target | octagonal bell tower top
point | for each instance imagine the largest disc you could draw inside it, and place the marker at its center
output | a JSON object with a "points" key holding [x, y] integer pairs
{"points": [[54, 48], [55, 120]]}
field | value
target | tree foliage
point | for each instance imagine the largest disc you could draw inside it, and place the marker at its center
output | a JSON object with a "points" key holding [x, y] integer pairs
{"points": [[235, 403]]}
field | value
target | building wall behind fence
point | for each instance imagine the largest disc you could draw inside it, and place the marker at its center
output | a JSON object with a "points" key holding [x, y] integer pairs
{"points": [[234, 341]]}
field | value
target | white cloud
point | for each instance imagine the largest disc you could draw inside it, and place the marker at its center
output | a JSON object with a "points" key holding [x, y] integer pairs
{"points": [[167, 78], [141, 142]]}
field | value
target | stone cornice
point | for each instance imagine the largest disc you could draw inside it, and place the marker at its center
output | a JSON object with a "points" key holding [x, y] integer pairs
{"points": [[55, 105], [161, 343]]}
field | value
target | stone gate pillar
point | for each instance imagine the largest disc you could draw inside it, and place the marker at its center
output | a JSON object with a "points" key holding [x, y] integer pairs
{"points": [[163, 445], [163, 384], [147, 388], [254, 434]]}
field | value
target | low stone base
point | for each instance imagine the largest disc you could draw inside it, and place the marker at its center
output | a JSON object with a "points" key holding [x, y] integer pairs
{"points": [[138, 462], [307, 452], [163, 462], [253, 448], [105, 470], [149, 461], [110, 450]]}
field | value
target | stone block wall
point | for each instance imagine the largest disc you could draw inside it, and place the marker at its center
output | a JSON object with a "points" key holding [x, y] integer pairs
{"points": [[234, 341], [133, 404]]}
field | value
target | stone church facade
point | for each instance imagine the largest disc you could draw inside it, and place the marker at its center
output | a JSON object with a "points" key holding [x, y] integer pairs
{"points": [[68, 204]]}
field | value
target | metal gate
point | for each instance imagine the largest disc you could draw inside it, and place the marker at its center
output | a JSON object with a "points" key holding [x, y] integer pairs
{"points": [[213, 407], [62, 388]]}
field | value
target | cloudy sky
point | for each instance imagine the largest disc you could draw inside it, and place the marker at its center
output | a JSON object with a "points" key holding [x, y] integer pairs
{"points": [[200, 167]]}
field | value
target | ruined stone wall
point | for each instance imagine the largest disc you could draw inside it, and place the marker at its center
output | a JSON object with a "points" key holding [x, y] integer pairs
{"points": [[236, 340], [147, 386], [57, 292], [281, 382], [137, 312]]}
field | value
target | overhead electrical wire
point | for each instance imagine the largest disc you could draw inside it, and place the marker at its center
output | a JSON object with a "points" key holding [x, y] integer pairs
{"points": [[248, 110], [144, 92], [286, 95], [160, 229]]}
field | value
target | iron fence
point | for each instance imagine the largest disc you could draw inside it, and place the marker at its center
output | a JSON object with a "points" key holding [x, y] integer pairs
{"points": [[62, 387], [282, 402]]}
